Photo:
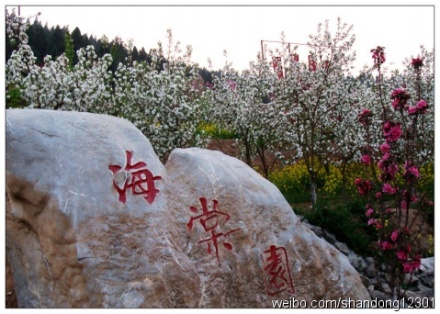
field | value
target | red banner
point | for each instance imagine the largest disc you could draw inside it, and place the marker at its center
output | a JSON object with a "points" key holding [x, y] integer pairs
{"points": [[277, 66]]}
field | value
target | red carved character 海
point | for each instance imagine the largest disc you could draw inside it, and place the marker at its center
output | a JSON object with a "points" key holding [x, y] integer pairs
{"points": [[135, 177]]}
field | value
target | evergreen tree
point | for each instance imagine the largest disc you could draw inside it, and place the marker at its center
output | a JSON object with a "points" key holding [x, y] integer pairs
{"points": [[119, 53], [135, 54], [56, 43], [143, 56], [69, 49], [77, 42], [103, 46], [37, 40]]}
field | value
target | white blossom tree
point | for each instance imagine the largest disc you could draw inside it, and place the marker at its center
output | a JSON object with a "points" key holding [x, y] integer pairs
{"points": [[241, 103], [315, 97]]}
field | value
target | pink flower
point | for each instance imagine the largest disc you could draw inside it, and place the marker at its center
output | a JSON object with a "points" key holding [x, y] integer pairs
{"points": [[422, 106], [400, 99], [232, 85], [385, 148], [385, 245], [401, 254], [389, 211], [417, 63], [386, 156], [395, 133], [414, 171], [412, 110], [388, 172], [377, 224], [378, 55], [409, 267], [388, 189], [392, 131], [393, 169], [394, 235], [366, 159], [411, 172], [363, 186], [369, 212], [378, 195], [416, 262]]}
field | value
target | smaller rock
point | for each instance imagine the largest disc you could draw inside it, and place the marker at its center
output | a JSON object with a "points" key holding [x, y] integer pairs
{"points": [[370, 272], [426, 280], [342, 247], [410, 279], [424, 291], [329, 237], [427, 265], [376, 294], [365, 281], [317, 230], [357, 261], [386, 288]]}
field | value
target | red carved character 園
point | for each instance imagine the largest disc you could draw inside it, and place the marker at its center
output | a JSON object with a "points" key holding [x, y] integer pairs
{"points": [[210, 220], [276, 266], [135, 177]]}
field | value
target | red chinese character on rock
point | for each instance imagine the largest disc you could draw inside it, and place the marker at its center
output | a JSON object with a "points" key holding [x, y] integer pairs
{"points": [[135, 177], [276, 266], [210, 219]]}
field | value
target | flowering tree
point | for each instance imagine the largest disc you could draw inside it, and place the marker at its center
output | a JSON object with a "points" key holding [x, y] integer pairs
{"points": [[163, 99], [22, 58], [167, 105], [391, 190], [315, 98], [239, 103]]}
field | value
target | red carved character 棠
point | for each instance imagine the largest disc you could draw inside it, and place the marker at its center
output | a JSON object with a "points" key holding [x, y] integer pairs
{"points": [[210, 221]]}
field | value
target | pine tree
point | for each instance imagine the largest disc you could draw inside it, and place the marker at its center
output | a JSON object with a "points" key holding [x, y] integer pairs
{"points": [[69, 49]]}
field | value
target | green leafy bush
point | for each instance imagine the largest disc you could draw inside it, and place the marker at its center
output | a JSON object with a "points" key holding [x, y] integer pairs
{"points": [[346, 222]]}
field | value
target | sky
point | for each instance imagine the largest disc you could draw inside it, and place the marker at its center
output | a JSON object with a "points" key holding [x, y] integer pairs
{"points": [[210, 30]]}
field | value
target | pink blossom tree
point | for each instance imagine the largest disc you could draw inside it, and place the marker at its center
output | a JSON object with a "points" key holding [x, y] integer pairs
{"points": [[391, 191]]}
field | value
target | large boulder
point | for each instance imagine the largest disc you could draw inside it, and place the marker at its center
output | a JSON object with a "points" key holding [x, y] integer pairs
{"points": [[96, 220], [262, 250], [73, 238]]}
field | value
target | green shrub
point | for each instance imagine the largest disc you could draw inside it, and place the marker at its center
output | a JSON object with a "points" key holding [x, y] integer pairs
{"points": [[346, 221], [13, 98]]}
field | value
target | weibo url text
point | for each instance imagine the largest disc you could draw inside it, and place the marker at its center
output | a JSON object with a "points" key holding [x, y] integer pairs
{"points": [[340, 303]]}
